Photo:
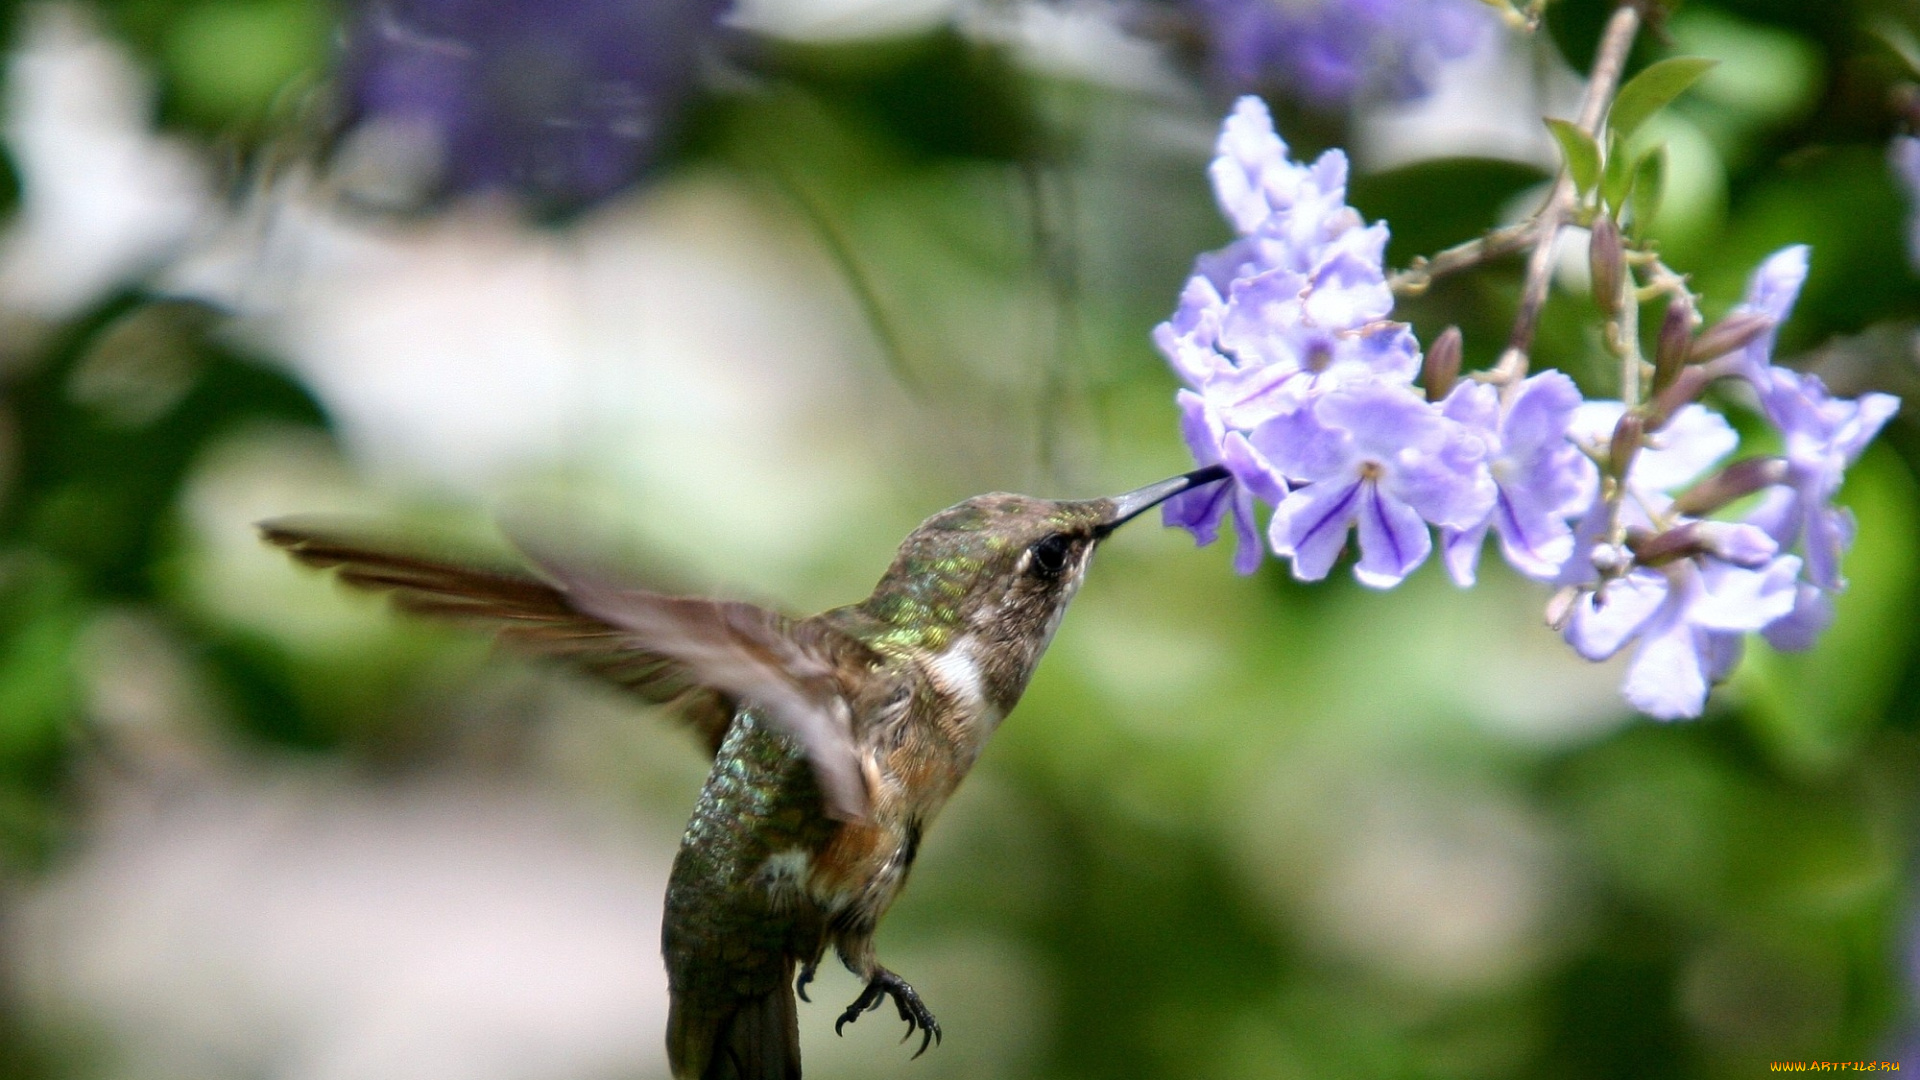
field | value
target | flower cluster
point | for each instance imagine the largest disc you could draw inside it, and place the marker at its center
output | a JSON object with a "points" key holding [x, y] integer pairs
{"points": [[1332, 52], [562, 103], [1300, 384]]}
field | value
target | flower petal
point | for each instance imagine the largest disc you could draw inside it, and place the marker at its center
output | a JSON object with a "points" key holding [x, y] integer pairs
{"points": [[1798, 629], [1383, 419], [1667, 678], [1830, 532], [1460, 550], [1732, 598], [1247, 550], [1258, 310], [1393, 539], [1771, 291], [1542, 410], [1248, 150], [1446, 480], [1252, 469], [1537, 542], [1198, 511], [1304, 448], [1688, 446], [1311, 525], [1604, 621], [1245, 398]]}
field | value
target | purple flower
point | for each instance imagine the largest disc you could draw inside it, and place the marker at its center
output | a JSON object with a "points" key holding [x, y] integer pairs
{"points": [[560, 101], [1542, 478], [1771, 291], [1199, 511], [1689, 618], [1693, 441], [1292, 209], [1333, 52], [1823, 435], [1377, 458], [1296, 308], [1904, 155]]}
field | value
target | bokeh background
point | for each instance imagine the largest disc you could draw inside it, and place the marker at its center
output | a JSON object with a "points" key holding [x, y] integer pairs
{"points": [[745, 291]]}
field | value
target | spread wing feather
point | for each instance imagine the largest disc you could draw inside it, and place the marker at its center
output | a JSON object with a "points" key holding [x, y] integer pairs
{"points": [[788, 668], [707, 656]]}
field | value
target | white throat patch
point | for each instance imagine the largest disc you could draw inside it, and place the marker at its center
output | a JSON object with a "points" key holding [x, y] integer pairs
{"points": [[957, 674]]}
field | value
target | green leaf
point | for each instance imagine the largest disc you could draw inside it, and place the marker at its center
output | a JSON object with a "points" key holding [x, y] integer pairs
{"points": [[1619, 176], [1582, 154], [1650, 91], [1649, 186]]}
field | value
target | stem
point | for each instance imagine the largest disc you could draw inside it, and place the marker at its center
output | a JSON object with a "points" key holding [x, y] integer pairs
{"points": [[1622, 338], [1607, 65], [1662, 280], [841, 250], [1421, 273]]}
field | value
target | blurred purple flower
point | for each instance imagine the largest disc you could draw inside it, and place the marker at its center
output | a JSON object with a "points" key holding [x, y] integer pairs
{"points": [[1542, 478], [560, 101], [1692, 442], [1772, 291], [1376, 457], [1256, 181], [1334, 52], [1823, 435], [1904, 155], [1689, 618]]}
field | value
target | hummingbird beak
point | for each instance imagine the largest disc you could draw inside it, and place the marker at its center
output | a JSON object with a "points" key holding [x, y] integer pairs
{"points": [[1134, 503]]}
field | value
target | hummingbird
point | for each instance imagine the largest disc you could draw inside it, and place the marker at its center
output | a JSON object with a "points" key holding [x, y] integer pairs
{"points": [[836, 738]]}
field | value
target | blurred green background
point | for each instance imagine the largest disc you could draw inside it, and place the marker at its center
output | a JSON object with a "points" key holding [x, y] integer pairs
{"points": [[885, 256]]}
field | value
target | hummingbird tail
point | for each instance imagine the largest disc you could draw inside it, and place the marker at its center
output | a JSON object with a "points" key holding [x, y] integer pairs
{"points": [[755, 1038]]}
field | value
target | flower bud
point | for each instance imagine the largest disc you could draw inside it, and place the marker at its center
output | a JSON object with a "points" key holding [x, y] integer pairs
{"points": [[1607, 260], [1736, 481], [1442, 364], [1743, 545], [1684, 389], [1627, 436], [1675, 341], [1746, 546], [1651, 549], [1736, 331]]}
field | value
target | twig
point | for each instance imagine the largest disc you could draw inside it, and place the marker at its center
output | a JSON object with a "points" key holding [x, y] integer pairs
{"points": [[1421, 273], [1662, 280], [1607, 65], [841, 250]]}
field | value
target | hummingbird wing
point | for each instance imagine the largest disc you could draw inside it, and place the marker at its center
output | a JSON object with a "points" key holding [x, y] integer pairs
{"points": [[526, 612], [707, 657], [788, 668]]}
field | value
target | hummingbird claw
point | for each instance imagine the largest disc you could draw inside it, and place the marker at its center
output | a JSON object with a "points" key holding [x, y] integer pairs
{"points": [[914, 1011]]}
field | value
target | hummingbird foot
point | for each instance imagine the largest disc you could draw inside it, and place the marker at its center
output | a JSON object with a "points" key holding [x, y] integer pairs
{"points": [[806, 977], [914, 1011]]}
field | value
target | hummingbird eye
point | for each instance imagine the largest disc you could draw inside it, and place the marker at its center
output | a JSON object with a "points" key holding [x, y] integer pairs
{"points": [[1048, 557]]}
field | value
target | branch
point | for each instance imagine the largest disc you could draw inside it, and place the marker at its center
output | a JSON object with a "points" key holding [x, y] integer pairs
{"points": [[1607, 65], [1420, 273]]}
